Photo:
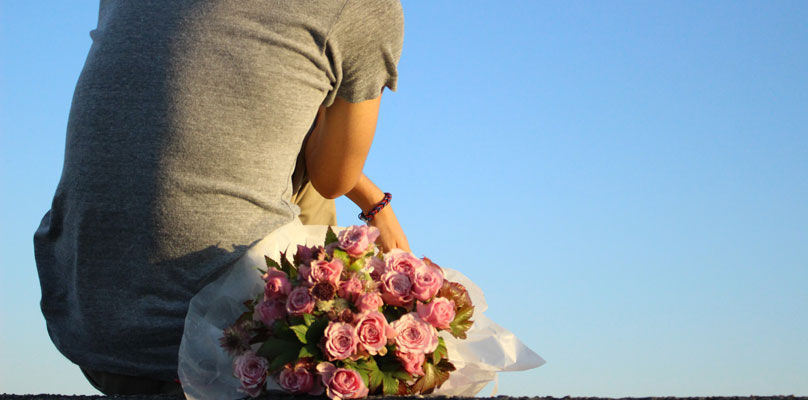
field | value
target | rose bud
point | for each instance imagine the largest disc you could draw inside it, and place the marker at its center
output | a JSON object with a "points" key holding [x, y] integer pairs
{"points": [[306, 255], [277, 284], [369, 302], [350, 289], [268, 311]]}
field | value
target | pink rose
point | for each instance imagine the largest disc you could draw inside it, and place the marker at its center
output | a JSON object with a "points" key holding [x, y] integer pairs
{"points": [[340, 341], [251, 370], [369, 302], [376, 268], [306, 255], [341, 383], [440, 312], [321, 270], [414, 335], [268, 311], [277, 284], [413, 362], [396, 288], [356, 239], [373, 331], [296, 380], [427, 281], [402, 261], [300, 301], [350, 289]]}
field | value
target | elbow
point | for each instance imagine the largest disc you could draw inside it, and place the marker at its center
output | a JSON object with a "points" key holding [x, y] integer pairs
{"points": [[328, 193], [332, 187]]}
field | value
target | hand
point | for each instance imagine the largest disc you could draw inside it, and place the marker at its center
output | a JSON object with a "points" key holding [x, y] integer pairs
{"points": [[366, 195], [391, 235]]}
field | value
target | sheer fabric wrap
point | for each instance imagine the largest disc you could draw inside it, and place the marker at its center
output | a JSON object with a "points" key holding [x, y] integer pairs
{"points": [[206, 372]]}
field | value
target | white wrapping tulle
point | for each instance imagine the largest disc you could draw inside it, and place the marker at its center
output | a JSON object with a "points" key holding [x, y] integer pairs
{"points": [[206, 371]]}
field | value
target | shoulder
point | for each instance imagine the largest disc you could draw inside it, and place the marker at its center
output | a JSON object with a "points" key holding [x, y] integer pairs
{"points": [[369, 13]]}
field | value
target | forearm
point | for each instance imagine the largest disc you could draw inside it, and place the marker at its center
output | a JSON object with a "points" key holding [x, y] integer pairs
{"points": [[365, 194]]}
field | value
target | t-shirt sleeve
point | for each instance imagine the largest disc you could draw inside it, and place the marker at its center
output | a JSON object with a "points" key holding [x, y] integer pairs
{"points": [[363, 47]]}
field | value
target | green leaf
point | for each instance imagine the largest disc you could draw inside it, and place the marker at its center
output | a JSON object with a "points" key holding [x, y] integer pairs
{"points": [[288, 267], [281, 330], [445, 365], [440, 352], [364, 276], [367, 365], [357, 265], [364, 375], [330, 236], [389, 385], [393, 313], [309, 350], [403, 375], [308, 319], [289, 355], [462, 322], [375, 380], [274, 346], [343, 256], [261, 336], [271, 263], [261, 270], [316, 330], [300, 331]]}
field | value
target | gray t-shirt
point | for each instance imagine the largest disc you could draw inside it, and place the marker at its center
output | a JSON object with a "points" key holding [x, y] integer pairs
{"points": [[181, 141]]}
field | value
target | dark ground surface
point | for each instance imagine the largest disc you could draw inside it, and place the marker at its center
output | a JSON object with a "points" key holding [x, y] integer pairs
{"points": [[289, 397]]}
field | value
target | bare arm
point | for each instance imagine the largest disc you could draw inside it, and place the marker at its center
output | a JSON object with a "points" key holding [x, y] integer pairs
{"points": [[335, 155], [339, 145]]}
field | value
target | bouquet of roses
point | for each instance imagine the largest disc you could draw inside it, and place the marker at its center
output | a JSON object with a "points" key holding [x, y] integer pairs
{"points": [[348, 320]]}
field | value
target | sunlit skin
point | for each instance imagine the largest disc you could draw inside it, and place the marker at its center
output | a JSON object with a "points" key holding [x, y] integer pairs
{"points": [[335, 156]]}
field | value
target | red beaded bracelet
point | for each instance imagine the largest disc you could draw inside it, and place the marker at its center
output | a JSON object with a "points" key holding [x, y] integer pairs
{"points": [[378, 207]]}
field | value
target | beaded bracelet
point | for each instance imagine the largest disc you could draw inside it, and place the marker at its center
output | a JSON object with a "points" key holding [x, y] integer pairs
{"points": [[378, 207]]}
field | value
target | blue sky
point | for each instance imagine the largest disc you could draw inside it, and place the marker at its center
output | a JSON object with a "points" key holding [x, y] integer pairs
{"points": [[626, 180]]}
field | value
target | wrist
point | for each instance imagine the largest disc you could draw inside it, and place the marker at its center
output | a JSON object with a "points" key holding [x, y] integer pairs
{"points": [[368, 216], [365, 194]]}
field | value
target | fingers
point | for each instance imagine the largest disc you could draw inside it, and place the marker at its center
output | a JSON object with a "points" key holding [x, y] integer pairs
{"points": [[391, 239], [391, 236]]}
